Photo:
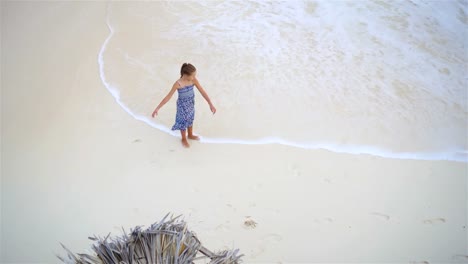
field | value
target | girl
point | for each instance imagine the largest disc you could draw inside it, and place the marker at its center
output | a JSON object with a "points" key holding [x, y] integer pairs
{"points": [[185, 102]]}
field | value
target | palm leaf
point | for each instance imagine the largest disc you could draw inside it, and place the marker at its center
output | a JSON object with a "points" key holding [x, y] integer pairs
{"points": [[166, 241]]}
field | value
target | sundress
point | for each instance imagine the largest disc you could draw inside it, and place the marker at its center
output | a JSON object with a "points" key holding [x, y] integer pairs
{"points": [[185, 108]]}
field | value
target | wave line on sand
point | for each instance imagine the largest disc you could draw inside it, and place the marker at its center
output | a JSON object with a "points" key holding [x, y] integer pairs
{"points": [[455, 155]]}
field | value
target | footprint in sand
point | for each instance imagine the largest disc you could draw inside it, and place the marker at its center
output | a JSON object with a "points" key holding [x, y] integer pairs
{"points": [[271, 238], [255, 252], [324, 220], [294, 169], [274, 210], [256, 187], [191, 211], [434, 221], [264, 242], [222, 227], [232, 207], [380, 215]]}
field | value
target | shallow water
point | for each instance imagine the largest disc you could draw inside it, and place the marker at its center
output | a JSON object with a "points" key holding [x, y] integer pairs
{"points": [[382, 78]]}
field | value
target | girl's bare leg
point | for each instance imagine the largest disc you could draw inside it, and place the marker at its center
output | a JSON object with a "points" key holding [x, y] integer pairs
{"points": [[191, 135], [184, 139]]}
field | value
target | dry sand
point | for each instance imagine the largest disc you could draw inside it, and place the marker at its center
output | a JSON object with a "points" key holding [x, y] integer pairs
{"points": [[75, 164]]}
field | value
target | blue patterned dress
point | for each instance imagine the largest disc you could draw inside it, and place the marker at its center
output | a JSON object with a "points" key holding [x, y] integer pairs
{"points": [[185, 108]]}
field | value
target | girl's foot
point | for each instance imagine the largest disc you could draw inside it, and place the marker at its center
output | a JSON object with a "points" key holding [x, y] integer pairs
{"points": [[185, 143], [193, 137]]}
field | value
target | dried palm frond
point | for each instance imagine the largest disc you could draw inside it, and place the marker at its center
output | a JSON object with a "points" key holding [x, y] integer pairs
{"points": [[166, 241]]}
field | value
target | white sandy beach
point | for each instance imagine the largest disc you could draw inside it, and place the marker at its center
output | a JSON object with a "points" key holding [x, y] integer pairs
{"points": [[74, 163]]}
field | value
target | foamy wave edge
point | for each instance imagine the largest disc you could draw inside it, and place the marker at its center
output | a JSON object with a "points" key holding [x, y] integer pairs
{"points": [[455, 155]]}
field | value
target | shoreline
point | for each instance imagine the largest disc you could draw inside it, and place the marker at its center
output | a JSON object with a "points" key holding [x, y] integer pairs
{"points": [[457, 155]]}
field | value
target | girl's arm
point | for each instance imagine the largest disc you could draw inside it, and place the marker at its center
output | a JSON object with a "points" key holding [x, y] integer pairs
{"points": [[205, 95], [165, 100]]}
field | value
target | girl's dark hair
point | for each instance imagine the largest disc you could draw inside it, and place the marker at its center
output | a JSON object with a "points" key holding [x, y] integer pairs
{"points": [[187, 68]]}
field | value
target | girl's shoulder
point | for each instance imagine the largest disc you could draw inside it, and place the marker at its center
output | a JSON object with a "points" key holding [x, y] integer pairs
{"points": [[180, 84]]}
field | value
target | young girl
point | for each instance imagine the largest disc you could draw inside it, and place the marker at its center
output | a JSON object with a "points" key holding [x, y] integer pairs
{"points": [[185, 102]]}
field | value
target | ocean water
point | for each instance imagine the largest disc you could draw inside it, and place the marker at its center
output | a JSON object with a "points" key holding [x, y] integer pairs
{"points": [[385, 78]]}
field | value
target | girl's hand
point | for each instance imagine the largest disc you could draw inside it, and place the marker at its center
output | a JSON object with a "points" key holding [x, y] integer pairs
{"points": [[155, 112], [213, 109]]}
